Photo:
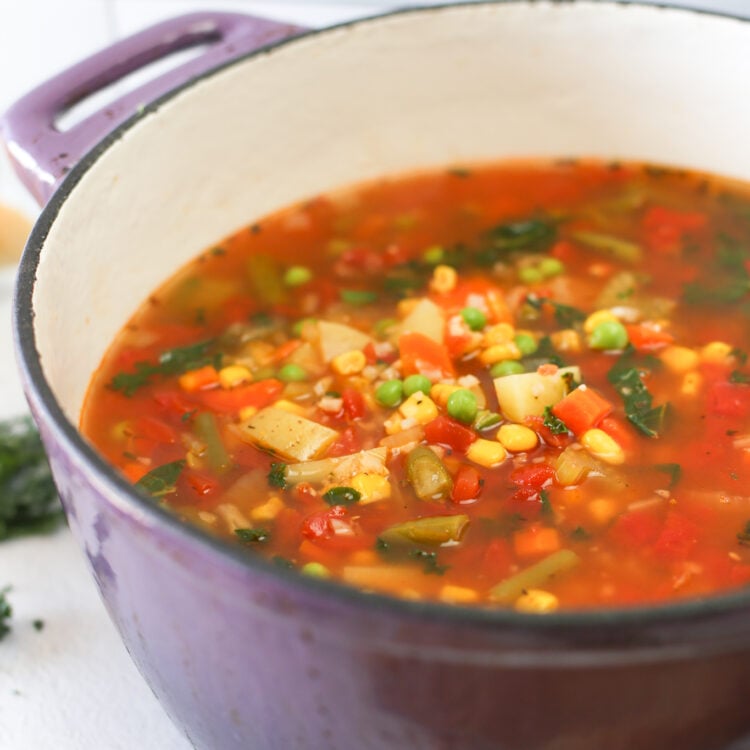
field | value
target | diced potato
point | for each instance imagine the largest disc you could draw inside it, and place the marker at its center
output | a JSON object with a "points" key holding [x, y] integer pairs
{"points": [[288, 435], [338, 338], [529, 393], [425, 318]]}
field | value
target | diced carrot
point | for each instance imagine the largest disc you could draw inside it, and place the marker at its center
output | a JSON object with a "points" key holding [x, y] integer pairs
{"points": [[582, 409], [446, 431], [314, 553], [134, 471], [420, 354], [466, 484], [536, 541], [200, 379], [646, 338], [283, 351], [259, 394]]}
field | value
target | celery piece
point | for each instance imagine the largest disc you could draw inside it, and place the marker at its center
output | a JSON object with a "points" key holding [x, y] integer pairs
{"points": [[573, 465], [614, 247], [535, 576], [427, 475], [208, 431], [266, 279], [432, 530]]}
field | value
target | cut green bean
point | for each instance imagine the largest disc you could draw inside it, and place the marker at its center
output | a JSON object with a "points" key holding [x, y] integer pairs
{"points": [[535, 576], [208, 431], [432, 531], [614, 247], [427, 475]]}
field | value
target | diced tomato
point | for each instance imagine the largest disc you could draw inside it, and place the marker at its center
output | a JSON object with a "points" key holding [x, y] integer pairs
{"points": [[526, 502], [345, 444], [466, 484], [564, 250], [677, 538], [549, 437], [582, 409], [420, 354], [153, 429], [456, 343], [202, 484], [636, 529], [306, 492], [446, 431], [497, 559], [665, 228], [536, 541], [618, 431], [729, 399], [535, 476], [318, 525], [354, 404], [646, 338], [173, 402], [370, 353], [259, 394]]}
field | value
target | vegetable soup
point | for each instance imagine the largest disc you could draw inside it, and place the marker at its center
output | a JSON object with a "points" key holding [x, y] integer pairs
{"points": [[514, 385]]}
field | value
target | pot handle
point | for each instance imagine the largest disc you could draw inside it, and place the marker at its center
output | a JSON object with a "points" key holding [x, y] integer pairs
{"points": [[42, 154]]}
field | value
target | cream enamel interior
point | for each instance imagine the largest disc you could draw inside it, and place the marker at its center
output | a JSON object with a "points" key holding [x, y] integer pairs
{"points": [[404, 92]]}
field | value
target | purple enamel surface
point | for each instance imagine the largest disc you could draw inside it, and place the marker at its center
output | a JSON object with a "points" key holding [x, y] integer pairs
{"points": [[42, 155]]}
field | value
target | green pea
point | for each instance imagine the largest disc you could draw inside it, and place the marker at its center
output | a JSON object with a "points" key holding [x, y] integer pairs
{"points": [[390, 393], [297, 275], [316, 570], [474, 318], [530, 275], [415, 383], [549, 267], [291, 373], [526, 344], [433, 255], [486, 419], [462, 405], [506, 367], [609, 334]]}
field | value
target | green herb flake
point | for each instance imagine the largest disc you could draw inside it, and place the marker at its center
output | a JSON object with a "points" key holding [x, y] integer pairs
{"points": [[342, 496], [566, 316], [547, 509], [739, 377], [358, 296], [277, 475], [673, 470], [579, 534], [282, 562], [554, 424], [429, 561], [6, 611], [250, 536], [744, 536], [162, 480], [28, 498]]}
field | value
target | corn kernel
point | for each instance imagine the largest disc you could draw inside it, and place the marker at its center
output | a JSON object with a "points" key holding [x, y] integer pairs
{"points": [[392, 425], [269, 510], [193, 460], [441, 391], [517, 437], [444, 279], [600, 316], [486, 453], [458, 594], [567, 340], [349, 363], [206, 517], [679, 359], [420, 408], [291, 407], [602, 510], [248, 411], [500, 333], [536, 601], [717, 352], [691, 383], [371, 487], [234, 375], [603, 446], [499, 353]]}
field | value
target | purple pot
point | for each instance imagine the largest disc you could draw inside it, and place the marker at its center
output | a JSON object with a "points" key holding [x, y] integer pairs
{"points": [[242, 654]]}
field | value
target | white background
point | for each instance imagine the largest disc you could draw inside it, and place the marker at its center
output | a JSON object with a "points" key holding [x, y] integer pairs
{"points": [[71, 686]]}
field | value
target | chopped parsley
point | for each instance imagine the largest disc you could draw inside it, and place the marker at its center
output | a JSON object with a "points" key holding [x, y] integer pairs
{"points": [[566, 316], [249, 536], [429, 561], [342, 496], [277, 475], [555, 425], [744, 536], [162, 480], [673, 470], [5, 612], [547, 509]]}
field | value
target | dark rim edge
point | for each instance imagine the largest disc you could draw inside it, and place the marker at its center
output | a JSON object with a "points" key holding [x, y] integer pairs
{"points": [[36, 383]]}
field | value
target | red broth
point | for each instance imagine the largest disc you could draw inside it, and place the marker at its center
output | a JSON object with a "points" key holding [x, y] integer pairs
{"points": [[517, 385]]}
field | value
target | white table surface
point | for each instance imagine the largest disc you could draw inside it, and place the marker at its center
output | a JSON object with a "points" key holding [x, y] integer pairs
{"points": [[71, 686]]}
